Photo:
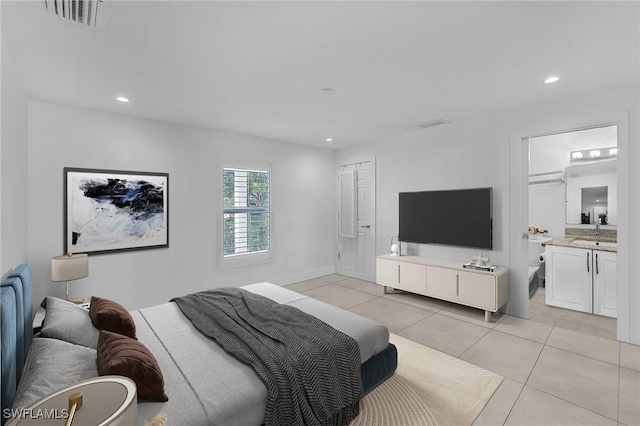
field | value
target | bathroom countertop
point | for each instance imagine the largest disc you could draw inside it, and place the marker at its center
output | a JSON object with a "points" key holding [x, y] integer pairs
{"points": [[569, 241]]}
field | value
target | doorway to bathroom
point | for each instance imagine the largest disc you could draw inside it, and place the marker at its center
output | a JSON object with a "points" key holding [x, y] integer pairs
{"points": [[572, 193]]}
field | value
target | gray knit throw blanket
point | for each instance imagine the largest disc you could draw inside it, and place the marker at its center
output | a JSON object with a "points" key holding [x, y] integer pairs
{"points": [[311, 370]]}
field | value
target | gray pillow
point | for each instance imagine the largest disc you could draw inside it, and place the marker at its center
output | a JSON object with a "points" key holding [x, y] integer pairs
{"points": [[53, 365], [69, 322]]}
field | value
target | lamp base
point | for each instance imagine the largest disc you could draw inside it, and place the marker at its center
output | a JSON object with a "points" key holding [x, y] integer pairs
{"points": [[77, 301]]}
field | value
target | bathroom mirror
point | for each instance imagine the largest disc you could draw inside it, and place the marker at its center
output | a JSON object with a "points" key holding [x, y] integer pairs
{"points": [[591, 193]]}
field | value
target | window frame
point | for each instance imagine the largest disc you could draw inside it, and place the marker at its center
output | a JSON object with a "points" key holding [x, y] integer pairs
{"points": [[244, 258]]}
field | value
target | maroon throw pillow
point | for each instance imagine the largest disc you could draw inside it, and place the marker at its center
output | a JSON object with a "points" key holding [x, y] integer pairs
{"points": [[122, 356], [111, 316]]}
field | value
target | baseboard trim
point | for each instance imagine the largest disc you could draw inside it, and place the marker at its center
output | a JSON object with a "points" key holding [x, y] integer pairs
{"points": [[303, 276]]}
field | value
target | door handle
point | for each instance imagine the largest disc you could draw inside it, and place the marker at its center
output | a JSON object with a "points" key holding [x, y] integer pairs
{"points": [[588, 261], [597, 271]]}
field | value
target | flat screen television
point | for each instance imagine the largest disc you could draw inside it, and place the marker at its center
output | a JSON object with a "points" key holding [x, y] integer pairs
{"points": [[460, 217]]}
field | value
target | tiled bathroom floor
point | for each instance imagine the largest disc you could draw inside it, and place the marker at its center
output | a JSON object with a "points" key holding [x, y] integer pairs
{"points": [[594, 325], [552, 374]]}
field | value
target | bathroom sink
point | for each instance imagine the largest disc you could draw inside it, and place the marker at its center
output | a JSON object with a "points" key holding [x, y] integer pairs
{"points": [[596, 243]]}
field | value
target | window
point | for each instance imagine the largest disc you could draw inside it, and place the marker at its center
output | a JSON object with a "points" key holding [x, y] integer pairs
{"points": [[246, 223]]}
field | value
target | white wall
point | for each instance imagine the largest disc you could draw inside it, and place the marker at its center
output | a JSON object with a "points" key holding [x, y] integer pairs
{"points": [[476, 153], [551, 153], [13, 166], [547, 208], [451, 156], [302, 194]]}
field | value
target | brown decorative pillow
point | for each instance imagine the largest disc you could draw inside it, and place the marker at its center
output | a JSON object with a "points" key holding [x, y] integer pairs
{"points": [[122, 356], [110, 316]]}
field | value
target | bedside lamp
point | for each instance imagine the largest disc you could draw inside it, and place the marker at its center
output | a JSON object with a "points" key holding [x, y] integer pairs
{"points": [[69, 267]]}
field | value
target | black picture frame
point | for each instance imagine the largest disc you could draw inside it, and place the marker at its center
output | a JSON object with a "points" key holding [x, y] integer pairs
{"points": [[107, 211]]}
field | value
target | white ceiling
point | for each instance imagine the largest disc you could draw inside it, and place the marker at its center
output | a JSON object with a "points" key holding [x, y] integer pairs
{"points": [[257, 67]]}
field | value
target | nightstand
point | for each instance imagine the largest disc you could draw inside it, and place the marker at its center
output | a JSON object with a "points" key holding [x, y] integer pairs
{"points": [[106, 400]]}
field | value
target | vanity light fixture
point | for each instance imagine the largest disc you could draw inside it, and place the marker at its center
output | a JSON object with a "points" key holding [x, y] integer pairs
{"points": [[593, 154]]}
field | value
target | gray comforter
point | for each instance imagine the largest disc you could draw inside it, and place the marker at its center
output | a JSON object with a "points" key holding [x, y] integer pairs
{"points": [[311, 370]]}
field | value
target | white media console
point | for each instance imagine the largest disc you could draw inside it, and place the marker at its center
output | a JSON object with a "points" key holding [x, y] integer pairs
{"points": [[446, 280]]}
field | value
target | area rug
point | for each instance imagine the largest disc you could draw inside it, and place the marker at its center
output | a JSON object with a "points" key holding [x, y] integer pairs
{"points": [[428, 388]]}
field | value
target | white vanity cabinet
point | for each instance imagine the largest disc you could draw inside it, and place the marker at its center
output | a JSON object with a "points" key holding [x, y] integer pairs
{"points": [[582, 279], [568, 278], [605, 283]]}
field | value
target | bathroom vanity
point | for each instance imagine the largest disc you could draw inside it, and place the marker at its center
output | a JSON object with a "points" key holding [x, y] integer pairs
{"points": [[582, 275]]}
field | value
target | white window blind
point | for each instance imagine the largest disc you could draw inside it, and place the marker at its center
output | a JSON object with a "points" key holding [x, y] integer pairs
{"points": [[246, 211]]}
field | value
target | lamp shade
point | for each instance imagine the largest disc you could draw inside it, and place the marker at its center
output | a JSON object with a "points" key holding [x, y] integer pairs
{"points": [[69, 267]]}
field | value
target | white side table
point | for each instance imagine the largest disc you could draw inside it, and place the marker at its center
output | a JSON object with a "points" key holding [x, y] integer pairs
{"points": [[106, 400]]}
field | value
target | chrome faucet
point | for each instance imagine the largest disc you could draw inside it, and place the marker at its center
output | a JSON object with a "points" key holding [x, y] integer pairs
{"points": [[596, 231]]}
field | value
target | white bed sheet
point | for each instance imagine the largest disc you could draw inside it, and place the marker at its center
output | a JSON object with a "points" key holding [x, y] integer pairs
{"points": [[208, 387]]}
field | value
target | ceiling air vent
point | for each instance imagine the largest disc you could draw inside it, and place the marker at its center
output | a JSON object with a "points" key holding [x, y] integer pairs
{"points": [[432, 123], [88, 13]]}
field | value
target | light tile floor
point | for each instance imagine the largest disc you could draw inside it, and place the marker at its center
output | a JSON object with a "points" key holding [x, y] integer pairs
{"points": [[553, 375], [583, 322]]}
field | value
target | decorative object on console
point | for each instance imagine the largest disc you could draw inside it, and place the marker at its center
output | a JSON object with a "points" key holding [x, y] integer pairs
{"points": [[474, 265], [69, 267], [108, 210], [479, 260], [395, 248]]}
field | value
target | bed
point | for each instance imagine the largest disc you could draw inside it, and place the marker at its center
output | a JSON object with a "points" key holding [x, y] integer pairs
{"points": [[205, 385]]}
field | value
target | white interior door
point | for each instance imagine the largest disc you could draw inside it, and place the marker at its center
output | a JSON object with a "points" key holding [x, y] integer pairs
{"points": [[356, 252]]}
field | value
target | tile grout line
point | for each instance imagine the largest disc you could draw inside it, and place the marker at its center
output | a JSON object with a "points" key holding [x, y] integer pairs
{"points": [[514, 405], [489, 330], [560, 398], [545, 344]]}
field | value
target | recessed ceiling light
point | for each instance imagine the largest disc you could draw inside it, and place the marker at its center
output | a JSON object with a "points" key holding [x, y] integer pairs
{"points": [[329, 140], [123, 99], [551, 80], [327, 91]]}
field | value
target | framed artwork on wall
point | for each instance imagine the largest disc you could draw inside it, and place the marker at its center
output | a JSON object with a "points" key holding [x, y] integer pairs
{"points": [[110, 210]]}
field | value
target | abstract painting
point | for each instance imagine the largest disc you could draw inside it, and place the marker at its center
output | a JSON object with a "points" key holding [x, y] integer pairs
{"points": [[110, 210]]}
